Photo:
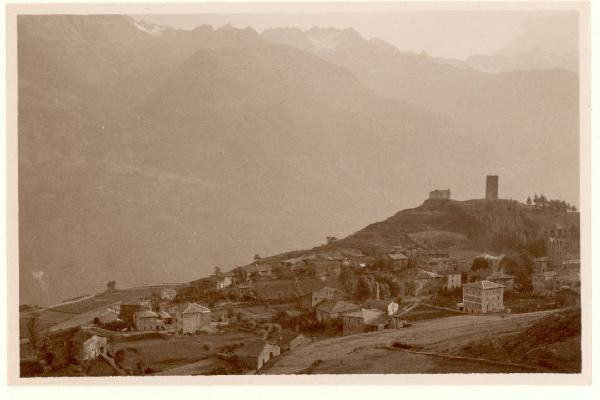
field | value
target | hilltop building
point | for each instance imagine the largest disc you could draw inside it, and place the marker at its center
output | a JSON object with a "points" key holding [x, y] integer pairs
{"points": [[483, 297], [439, 194], [491, 187]]}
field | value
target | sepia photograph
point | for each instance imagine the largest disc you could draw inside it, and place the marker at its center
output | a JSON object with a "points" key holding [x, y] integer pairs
{"points": [[295, 189]]}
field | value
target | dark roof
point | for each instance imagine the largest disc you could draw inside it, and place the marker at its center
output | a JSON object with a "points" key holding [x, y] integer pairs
{"points": [[500, 275], [251, 348], [146, 314], [397, 256], [378, 304], [337, 306], [82, 336]]}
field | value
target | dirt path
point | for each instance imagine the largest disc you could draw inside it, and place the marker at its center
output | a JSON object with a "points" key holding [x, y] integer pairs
{"points": [[444, 335]]}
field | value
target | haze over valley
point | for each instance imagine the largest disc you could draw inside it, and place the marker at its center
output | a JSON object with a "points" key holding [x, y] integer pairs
{"points": [[151, 153]]}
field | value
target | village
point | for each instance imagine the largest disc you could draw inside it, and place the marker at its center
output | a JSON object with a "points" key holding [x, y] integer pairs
{"points": [[244, 320]]}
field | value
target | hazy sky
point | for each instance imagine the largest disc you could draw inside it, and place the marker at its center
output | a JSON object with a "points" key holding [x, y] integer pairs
{"points": [[454, 34]]}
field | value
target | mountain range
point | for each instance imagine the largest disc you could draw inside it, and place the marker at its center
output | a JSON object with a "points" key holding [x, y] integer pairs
{"points": [[150, 154]]}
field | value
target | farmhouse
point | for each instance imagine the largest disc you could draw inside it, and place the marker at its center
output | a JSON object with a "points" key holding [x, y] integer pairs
{"points": [[259, 271], [334, 309], [483, 297], [108, 316], [256, 353], [363, 320], [312, 299], [289, 340], [148, 321], [390, 307], [88, 346], [397, 261], [508, 281], [190, 318]]}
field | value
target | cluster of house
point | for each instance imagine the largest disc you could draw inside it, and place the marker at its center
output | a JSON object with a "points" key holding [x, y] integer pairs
{"points": [[557, 271], [330, 304], [184, 318], [159, 313]]}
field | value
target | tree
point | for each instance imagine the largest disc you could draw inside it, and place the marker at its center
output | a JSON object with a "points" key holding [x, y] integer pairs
{"points": [[528, 200], [218, 272], [32, 330], [479, 263], [536, 199], [111, 286]]}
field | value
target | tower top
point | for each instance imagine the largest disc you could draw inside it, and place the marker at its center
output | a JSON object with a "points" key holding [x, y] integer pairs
{"points": [[491, 187]]}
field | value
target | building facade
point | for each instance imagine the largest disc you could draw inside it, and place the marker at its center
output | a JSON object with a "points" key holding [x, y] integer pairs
{"points": [[148, 321], [483, 297], [453, 279], [312, 299], [554, 250], [191, 318], [256, 353]]}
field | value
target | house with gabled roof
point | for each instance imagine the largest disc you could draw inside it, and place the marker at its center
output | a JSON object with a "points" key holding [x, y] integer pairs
{"points": [[190, 318], [504, 279], [109, 315], [289, 340], [312, 299], [88, 346], [397, 261], [256, 353], [148, 321], [390, 307], [363, 320], [333, 309]]}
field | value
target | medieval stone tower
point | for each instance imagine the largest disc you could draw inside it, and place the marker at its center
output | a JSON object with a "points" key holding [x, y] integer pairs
{"points": [[491, 187]]}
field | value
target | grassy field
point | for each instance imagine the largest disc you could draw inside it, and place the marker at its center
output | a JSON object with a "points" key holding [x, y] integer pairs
{"points": [[422, 313], [553, 342], [162, 354]]}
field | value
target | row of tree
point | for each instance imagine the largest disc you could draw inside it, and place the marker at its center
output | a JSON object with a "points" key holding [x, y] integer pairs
{"points": [[553, 205]]}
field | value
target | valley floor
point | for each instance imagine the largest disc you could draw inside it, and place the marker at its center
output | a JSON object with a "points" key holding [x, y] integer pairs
{"points": [[375, 353]]}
